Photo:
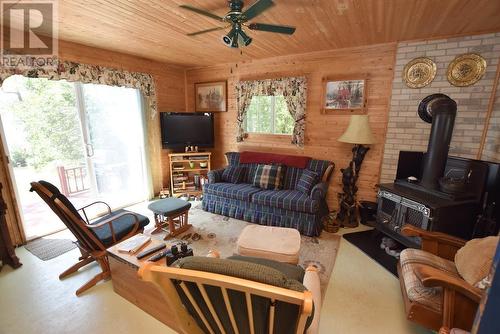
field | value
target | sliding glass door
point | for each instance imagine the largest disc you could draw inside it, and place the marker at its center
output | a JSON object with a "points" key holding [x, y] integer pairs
{"points": [[86, 139], [114, 138]]}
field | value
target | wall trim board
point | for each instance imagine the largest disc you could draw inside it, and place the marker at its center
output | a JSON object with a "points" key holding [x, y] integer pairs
{"points": [[489, 113], [295, 57], [386, 123]]}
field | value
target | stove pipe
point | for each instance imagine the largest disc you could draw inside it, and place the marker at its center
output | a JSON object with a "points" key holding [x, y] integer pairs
{"points": [[440, 110]]}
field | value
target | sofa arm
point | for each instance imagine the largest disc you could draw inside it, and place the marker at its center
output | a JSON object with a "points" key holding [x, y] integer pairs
{"points": [[319, 191], [312, 283], [215, 175]]}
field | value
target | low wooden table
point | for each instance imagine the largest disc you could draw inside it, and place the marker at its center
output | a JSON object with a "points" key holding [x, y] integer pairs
{"points": [[127, 284], [171, 212]]}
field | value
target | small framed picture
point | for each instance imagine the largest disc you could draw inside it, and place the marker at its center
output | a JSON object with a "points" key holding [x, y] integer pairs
{"points": [[344, 96], [211, 96]]}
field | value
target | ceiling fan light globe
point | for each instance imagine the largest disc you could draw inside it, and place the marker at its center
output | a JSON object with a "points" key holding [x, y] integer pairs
{"points": [[245, 39], [227, 40], [234, 43]]}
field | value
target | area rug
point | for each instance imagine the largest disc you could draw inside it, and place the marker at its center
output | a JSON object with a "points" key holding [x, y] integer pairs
{"points": [[369, 243], [46, 248], [221, 233]]}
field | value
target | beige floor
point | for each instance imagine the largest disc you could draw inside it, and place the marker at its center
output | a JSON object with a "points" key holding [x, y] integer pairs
{"points": [[362, 297]]}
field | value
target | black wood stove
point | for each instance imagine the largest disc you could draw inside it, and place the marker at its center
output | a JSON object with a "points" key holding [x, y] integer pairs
{"points": [[436, 192]]}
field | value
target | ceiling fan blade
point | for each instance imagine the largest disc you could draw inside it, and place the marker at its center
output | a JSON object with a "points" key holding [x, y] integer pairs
{"points": [[202, 12], [257, 8], [205, 31], [272, 28]]}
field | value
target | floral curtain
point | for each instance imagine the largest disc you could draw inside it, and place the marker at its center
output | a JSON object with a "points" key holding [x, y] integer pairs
{"points": [[294, 90], [71, 71], [85, 73]]}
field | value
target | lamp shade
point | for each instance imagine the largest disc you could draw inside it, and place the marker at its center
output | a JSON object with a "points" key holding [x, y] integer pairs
{"points": [[358, 131]]}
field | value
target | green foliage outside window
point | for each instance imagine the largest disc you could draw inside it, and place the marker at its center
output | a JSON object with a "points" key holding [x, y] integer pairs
{"points": [[47, 116], [269, 114]]}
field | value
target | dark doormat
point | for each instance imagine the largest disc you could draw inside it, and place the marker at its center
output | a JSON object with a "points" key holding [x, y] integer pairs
{"points": [[369, 243], [46, 249]]}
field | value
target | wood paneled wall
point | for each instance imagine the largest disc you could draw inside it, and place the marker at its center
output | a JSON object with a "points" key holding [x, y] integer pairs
{"points": [[170, 90], [373, 62]]}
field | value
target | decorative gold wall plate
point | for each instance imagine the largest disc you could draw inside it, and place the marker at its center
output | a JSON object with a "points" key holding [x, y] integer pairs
{"points": [[466, 70], [419, 72]]}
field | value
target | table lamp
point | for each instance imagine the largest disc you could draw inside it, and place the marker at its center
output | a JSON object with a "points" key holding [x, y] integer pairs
{"points": [[358, 133]]}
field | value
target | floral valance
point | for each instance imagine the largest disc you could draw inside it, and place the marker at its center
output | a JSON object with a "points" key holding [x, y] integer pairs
{"points": [[71, 71], [293, 89]]}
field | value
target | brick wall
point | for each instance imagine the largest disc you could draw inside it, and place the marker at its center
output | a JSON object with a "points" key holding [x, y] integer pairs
{"points": [[406, 131]]}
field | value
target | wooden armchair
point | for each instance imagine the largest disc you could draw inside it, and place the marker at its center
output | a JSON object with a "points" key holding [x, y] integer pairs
{"points": [[93, 238], [435, 295], [208, 302]]}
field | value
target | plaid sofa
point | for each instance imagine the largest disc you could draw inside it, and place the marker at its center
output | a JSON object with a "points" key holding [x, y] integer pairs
{"points": [[286, 208]]}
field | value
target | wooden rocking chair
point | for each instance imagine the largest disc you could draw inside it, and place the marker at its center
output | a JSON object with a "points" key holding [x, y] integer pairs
{"points": [[456, 303], [208, 302], [93, 238]]}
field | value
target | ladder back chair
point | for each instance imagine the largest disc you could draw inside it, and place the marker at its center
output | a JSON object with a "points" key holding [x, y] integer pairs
{"points": [[208, 302], [93, 238]]}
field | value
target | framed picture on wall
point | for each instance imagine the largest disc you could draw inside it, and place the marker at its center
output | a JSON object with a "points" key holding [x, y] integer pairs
{"points": [[211, 96], [344, 96]]}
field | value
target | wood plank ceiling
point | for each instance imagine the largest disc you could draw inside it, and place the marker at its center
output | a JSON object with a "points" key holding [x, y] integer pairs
{"points": [[156, 29]]}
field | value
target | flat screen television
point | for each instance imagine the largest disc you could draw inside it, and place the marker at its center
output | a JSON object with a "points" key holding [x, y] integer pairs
{"points": [[179, 130]]}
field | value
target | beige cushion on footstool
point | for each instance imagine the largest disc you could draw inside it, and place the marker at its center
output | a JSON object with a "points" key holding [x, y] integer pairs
{"points": [[274, 243]]}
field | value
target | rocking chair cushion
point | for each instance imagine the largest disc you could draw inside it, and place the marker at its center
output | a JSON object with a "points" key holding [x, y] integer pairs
{"points": [[416, 291], [53, 189], [122, 226], [289, 270]]}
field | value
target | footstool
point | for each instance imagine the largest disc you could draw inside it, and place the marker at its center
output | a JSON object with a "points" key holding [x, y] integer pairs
{"points": [[274, 243], [171, 212]]}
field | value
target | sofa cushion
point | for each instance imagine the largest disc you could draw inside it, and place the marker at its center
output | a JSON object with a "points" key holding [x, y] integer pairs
{"points": [[233, 174], [307, 181], [250, 170], [474, 260], [291, 178], [233, 158], [241, 191], [269, 177], [293, 200], [273, 158], [318, 166]]}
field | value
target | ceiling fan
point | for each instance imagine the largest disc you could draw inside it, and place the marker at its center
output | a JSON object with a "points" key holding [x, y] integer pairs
{"points": [[237, 19]]}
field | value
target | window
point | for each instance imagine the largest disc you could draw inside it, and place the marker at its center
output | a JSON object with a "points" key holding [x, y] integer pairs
{"points": [[269, 114], [87, 139]]}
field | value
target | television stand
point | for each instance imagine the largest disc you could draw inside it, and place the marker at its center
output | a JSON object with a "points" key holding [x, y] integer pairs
{"points": [[188, 172]]}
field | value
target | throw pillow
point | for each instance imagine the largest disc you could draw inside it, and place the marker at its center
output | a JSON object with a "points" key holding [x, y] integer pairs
{"points": [[233, 174], [474, 260], [269, 177], [307, 181]]}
